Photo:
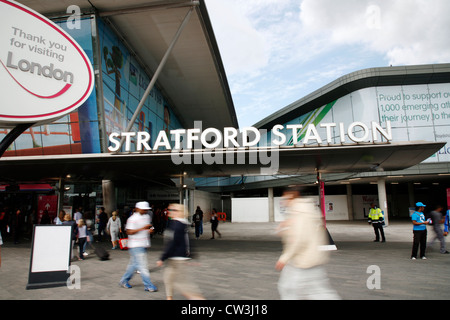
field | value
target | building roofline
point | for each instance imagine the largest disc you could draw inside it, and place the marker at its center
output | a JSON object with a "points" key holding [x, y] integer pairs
{"points": [[209, 31], [366, 78]]}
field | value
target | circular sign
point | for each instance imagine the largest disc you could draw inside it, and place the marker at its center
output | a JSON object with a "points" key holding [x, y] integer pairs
{"points": [[44, 73]]}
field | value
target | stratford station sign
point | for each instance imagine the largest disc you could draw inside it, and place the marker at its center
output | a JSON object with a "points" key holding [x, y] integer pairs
{"points": [[212, 138]]}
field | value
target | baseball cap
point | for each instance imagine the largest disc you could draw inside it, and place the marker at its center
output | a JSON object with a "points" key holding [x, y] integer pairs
{"points": [[420, 204], [143, 205]]}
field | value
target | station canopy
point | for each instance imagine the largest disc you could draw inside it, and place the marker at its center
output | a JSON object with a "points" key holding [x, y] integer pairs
{"points": [[289, 160]]}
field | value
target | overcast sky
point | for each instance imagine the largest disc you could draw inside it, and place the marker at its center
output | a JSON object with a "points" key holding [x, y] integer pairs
{"points": [[278, 51]]}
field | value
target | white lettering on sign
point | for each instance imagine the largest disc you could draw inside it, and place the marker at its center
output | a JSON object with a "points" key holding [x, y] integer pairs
{"points": [[212, 138]]}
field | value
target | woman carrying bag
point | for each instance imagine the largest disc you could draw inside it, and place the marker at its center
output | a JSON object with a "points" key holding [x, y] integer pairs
{"points": [[114, 228]]}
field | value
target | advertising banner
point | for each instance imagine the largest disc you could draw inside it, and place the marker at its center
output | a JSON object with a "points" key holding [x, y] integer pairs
{"points": [[47, 208]]}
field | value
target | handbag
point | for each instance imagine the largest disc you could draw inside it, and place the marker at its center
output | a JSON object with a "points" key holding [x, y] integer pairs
{"points": [[123, 242]]}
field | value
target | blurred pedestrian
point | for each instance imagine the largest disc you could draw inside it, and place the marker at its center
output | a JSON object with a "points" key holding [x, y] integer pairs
{"points": [[419, 231], [177, 252], [446, 222], [78, 215], [114, 227], [4, 218], [200, 225], [214, 223], [303, 274], [59, 218], [45, 219], [138, 228], [16, 224], [102, 221], [90, 226], [376, 218], [436, 220]]}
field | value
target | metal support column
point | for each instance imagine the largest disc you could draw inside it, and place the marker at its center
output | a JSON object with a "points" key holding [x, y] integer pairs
{"points": [[321, 189], [181, 189], [61, 186], [382, 199], [271, 205], [109, 196]]}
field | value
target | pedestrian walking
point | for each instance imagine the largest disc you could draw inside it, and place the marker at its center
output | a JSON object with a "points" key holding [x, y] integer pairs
{"points": [[16, 224], [197, 219], [82, 237], [303, 275], [436, 221], [114, 227], [200, 213], [90, 226], [177, 252], [59, 218], [138, 228], [214, 223], [102, 220], [78, 215]]}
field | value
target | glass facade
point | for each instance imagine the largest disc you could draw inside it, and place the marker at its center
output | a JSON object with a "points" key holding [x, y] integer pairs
{"points": [[124, 83], [416, 112]]}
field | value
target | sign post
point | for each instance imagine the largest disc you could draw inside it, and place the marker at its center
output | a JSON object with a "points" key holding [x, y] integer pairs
{"points": [[13, 135]]}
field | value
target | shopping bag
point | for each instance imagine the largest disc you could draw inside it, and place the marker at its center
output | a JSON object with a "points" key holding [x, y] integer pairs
{"points": [[123, 242]]}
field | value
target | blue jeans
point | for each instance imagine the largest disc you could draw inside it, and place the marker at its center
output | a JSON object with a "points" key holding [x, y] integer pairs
{"points": [[91, 238], [138, 261]]}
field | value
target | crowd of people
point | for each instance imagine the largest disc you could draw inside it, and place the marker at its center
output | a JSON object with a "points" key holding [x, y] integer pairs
{"points": [[437, 218], [17, 224], [301, 263]]}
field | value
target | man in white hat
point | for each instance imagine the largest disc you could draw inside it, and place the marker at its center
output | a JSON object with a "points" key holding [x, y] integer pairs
{"points": [[138, 228]]}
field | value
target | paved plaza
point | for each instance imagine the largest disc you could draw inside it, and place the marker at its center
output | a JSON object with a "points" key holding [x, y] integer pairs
{"points": [[240, 266]]}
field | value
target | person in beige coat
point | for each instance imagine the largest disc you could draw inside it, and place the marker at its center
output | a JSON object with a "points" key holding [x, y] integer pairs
{"points": [[303, 275]]}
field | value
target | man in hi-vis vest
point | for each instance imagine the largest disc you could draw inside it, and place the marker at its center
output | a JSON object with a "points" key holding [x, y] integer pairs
{"points": [[376, 218]]}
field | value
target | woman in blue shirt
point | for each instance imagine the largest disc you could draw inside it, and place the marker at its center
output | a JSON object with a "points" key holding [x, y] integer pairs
{"points": [[419, 231]]}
